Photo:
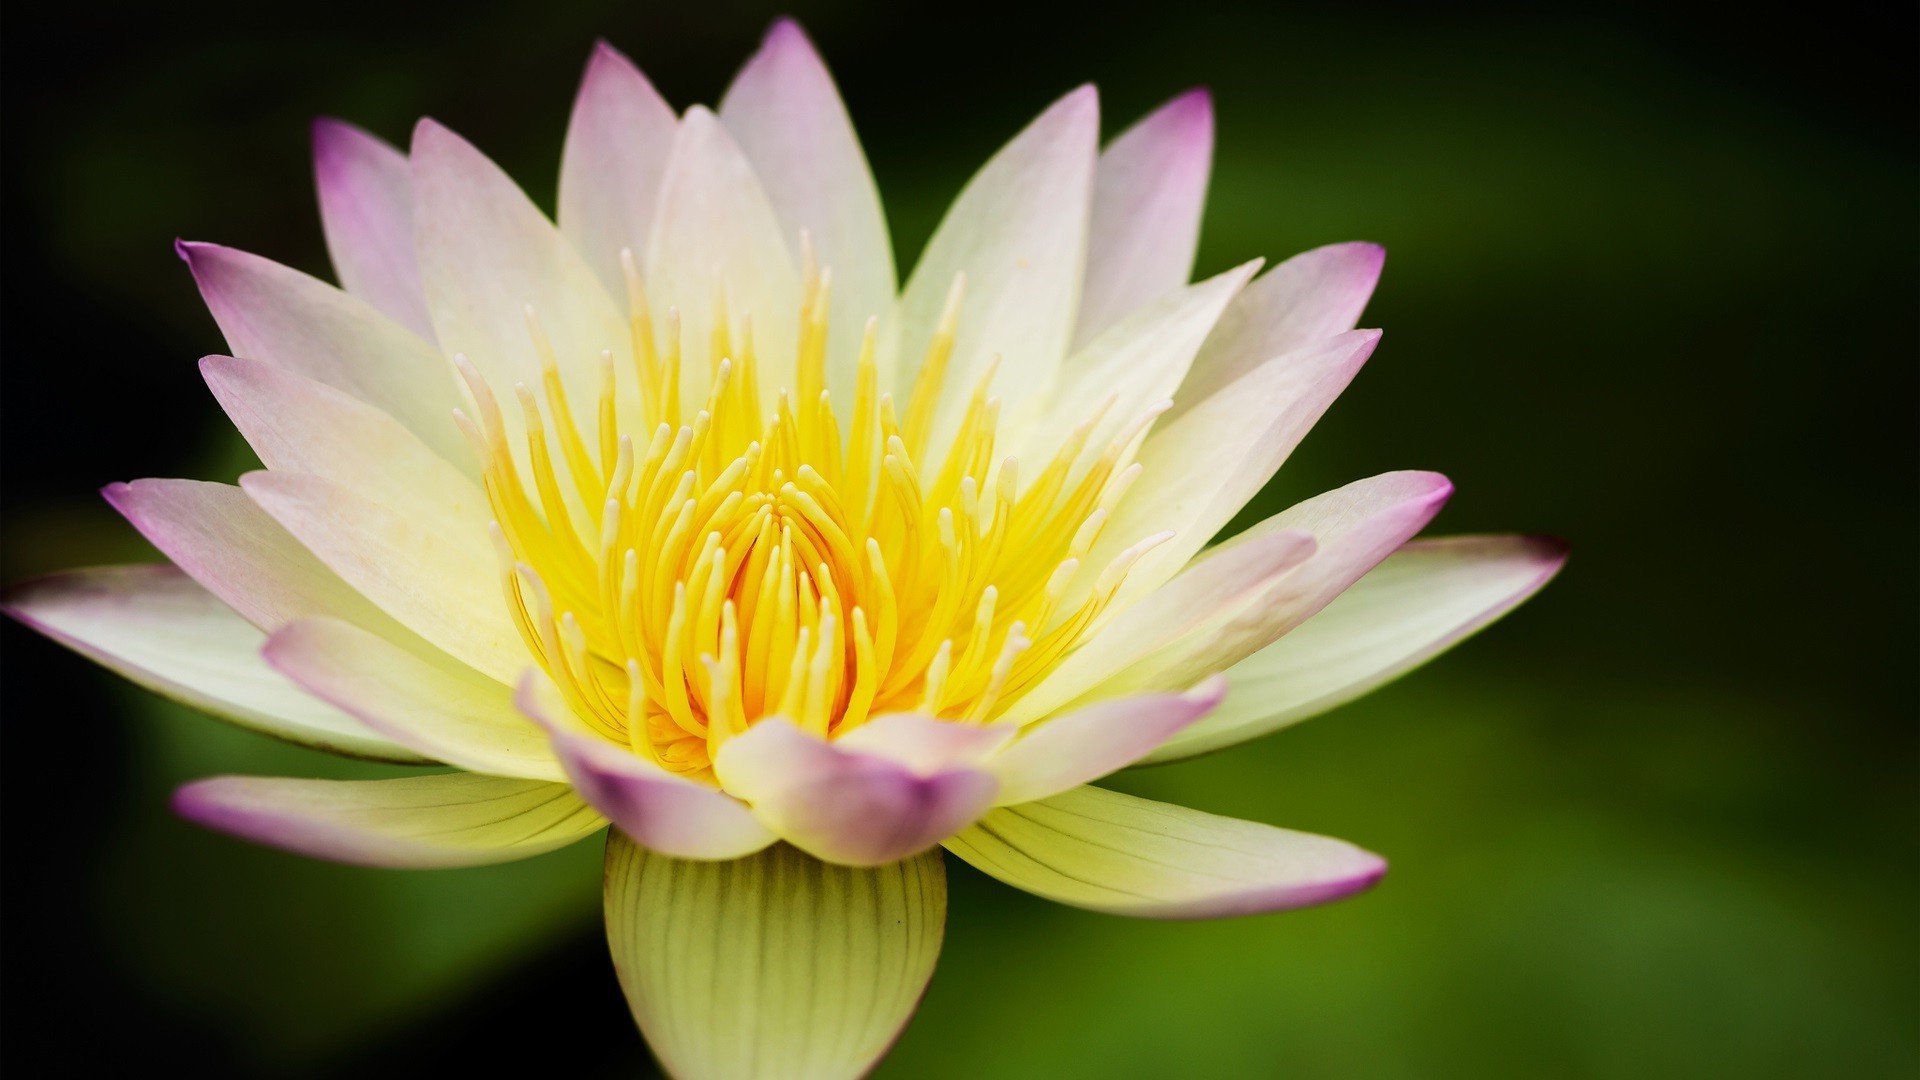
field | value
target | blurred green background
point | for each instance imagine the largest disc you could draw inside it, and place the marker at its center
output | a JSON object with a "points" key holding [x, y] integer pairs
{"points": [[1651, 285]]}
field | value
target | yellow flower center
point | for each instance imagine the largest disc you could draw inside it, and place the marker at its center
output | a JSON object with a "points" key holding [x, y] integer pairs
{"points": [[741, 565]]}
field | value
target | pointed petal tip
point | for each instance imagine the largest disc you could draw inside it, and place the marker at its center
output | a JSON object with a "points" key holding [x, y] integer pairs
{"points": [[432, 135], [606, 61], [786, 32], [329, 133], [1209, 693], [1364, 877], [1551, 552], [1191, 111], [1082, 99], [208, 804]]}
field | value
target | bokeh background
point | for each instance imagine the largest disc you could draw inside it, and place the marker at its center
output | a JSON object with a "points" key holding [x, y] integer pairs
{"points": [[1651, 286]]}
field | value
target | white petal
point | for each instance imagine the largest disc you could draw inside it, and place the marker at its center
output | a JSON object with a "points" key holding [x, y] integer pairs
{"points": [[775, 965], [787, 116], [615, 157], [1147, 198], [1421, 601], [153, 625], [439, 578], [1018, 231], [413, 822], [1105, 851], [1133, 367], [715, 232], [431, 704], [299, 425], [487, 254], [366, 210], [304, 326]]}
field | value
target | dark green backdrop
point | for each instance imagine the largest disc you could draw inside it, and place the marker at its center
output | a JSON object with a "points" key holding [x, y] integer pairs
{"points": [[1651, 285]]}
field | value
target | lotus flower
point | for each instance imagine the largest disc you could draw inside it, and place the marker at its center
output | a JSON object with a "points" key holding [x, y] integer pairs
{"points": [[679, 515]]}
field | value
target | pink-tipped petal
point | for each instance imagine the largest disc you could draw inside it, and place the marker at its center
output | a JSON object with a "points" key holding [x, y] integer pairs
{"points": [[426, 701], [1424, 599], [410, 823], [1079, 747], [1147, 198], [154, 626], [847, 807], [366, 211], [304, 326], [1353, 528], [1310, 297], [224, 541], [660, 810], [1105, 851], [787, 116], [1202, 468], [774, 965], [610, 171], [1018, 231]]}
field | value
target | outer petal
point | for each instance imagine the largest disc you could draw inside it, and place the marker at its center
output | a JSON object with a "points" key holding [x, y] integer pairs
{"points": [[1105, 851], [1207, 592], [787, 117], [439, 579], [1082, 746], [153, 625], [848, 807], [414, 822], [666, 812], [224, 541], [775, 965], [1310, 297], [610, 170], [1018, 232], [366, 210], [487, 254], [715, 231], [1353, 528], [300, 324], [1147, 198], [431, 704], [1421, 601], [1202, 468]]}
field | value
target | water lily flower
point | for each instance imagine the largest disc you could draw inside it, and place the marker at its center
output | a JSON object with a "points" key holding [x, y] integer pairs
{"points": [[678, 513]]}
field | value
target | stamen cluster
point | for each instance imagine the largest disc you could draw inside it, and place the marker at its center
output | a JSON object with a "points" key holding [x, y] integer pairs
{"points": [[752, 560]]}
